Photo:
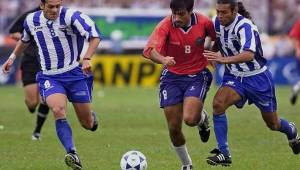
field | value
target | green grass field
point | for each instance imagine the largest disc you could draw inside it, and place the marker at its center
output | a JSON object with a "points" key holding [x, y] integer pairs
{"points": [[131, 119]]}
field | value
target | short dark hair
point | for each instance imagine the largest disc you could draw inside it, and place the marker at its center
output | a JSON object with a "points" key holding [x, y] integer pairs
{"points": [[43, 1], [234, 3], [182, 4]]}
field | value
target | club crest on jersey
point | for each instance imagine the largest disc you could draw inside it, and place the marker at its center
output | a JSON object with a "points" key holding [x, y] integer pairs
{"points": [[199, 41]]}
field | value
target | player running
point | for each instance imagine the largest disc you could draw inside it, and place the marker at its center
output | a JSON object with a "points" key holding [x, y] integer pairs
{"points": [[59, 33], [246, 77], [178, 43]]}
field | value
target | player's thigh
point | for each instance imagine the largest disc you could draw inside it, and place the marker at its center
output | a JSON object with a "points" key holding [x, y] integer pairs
{"points": [[57, 102], [173, 114], [31, 92], [192, 106], [83, 111], [225, 97]]}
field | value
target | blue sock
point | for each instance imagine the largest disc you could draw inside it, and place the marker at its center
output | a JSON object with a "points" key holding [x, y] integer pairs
{"points": [[288, 129], [220, 128], [64, 133]]}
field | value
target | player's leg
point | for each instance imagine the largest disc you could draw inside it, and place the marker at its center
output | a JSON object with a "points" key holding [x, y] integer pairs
{"points": [[31, 96], [41, 117], [194, 97], [224, 98], [282, 125], [58, 103], [80, 94], [173, 116], [194, 115], [296, 86], [86, 116], [54, 93], [171, 98]]}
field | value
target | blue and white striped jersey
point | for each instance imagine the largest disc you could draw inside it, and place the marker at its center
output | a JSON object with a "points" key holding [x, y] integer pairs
{"points": [[60, 42], [241, 35]]}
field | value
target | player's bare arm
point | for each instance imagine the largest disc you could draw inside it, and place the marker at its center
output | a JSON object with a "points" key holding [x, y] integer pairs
{"points": [[158, 58], [93, 44], [217, 57], [16, 36], [17, 52]]}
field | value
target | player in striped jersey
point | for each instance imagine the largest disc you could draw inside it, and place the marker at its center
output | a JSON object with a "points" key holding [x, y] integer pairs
{"points": [[178, 43], [246, 77], [59, 33]]}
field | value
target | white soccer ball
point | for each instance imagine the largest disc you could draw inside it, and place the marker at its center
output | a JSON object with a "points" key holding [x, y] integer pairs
{"points": [[133, 160]]}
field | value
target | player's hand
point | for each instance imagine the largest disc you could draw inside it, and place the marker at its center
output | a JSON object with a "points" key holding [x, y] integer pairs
{"points": [[214, 57], [7, 65], [86, 67], [168, 61]]}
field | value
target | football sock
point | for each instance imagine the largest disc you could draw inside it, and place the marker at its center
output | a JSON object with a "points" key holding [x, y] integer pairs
{"points": [[288, 129], [43, 111], [296, 88], [220, 128], [183, 155], [64, 133], [31, 110]]}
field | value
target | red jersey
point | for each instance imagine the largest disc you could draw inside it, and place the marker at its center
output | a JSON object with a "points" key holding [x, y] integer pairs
{"points": [[185, 45], [295, 31]]}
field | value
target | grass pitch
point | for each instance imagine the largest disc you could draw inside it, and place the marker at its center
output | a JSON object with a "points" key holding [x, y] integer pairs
{"points": [[130, 118]]}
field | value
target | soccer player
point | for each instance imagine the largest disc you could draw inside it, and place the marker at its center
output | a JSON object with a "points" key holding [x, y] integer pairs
{"points": [[295, 36], [30, 66], [246, 77], [178, 43], [59, 33]]}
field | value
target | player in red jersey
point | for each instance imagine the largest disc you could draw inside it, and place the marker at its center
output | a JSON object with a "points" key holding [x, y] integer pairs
{"points": [[178, 43], [295, 35]]}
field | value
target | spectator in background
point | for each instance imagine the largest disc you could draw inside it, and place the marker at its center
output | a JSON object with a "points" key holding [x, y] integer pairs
{"points": [[295, 36]]}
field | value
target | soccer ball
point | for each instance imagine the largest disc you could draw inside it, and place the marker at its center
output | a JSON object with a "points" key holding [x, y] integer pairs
{"points": [[133, 160]]}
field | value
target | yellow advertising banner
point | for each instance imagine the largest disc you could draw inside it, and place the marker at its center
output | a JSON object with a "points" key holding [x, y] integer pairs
{"points": [[125, 70]]}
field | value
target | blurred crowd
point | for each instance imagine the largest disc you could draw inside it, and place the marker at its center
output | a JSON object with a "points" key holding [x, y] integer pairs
{"points": [[273, 17]]}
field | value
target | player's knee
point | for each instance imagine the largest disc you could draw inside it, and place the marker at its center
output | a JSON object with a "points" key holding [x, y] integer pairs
{"points": [[31, 103], [190, 121], [218, 106], [59, 111]]}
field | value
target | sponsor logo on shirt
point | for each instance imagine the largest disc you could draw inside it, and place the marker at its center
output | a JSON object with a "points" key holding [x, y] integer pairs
{"points": [[38, 28]]}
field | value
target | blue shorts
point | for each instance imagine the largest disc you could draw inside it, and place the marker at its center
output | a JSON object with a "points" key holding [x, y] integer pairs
{"points": [[74, 84], [258, 89], [174, 88]]}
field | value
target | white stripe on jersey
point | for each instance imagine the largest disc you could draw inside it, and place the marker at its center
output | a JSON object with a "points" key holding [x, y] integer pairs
{"points": [[60, 41], [241, 35]]}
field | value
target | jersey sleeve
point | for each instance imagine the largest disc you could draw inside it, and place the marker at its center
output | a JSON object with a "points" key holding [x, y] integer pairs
{"points": [[295, 31], [210, 30], [247, 39], [26, 35], [158, 38], [85, 25]]}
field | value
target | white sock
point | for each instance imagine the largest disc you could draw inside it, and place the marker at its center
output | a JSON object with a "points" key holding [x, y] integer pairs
{"points": [[296, 88], [183, 155], [201, 119]]}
